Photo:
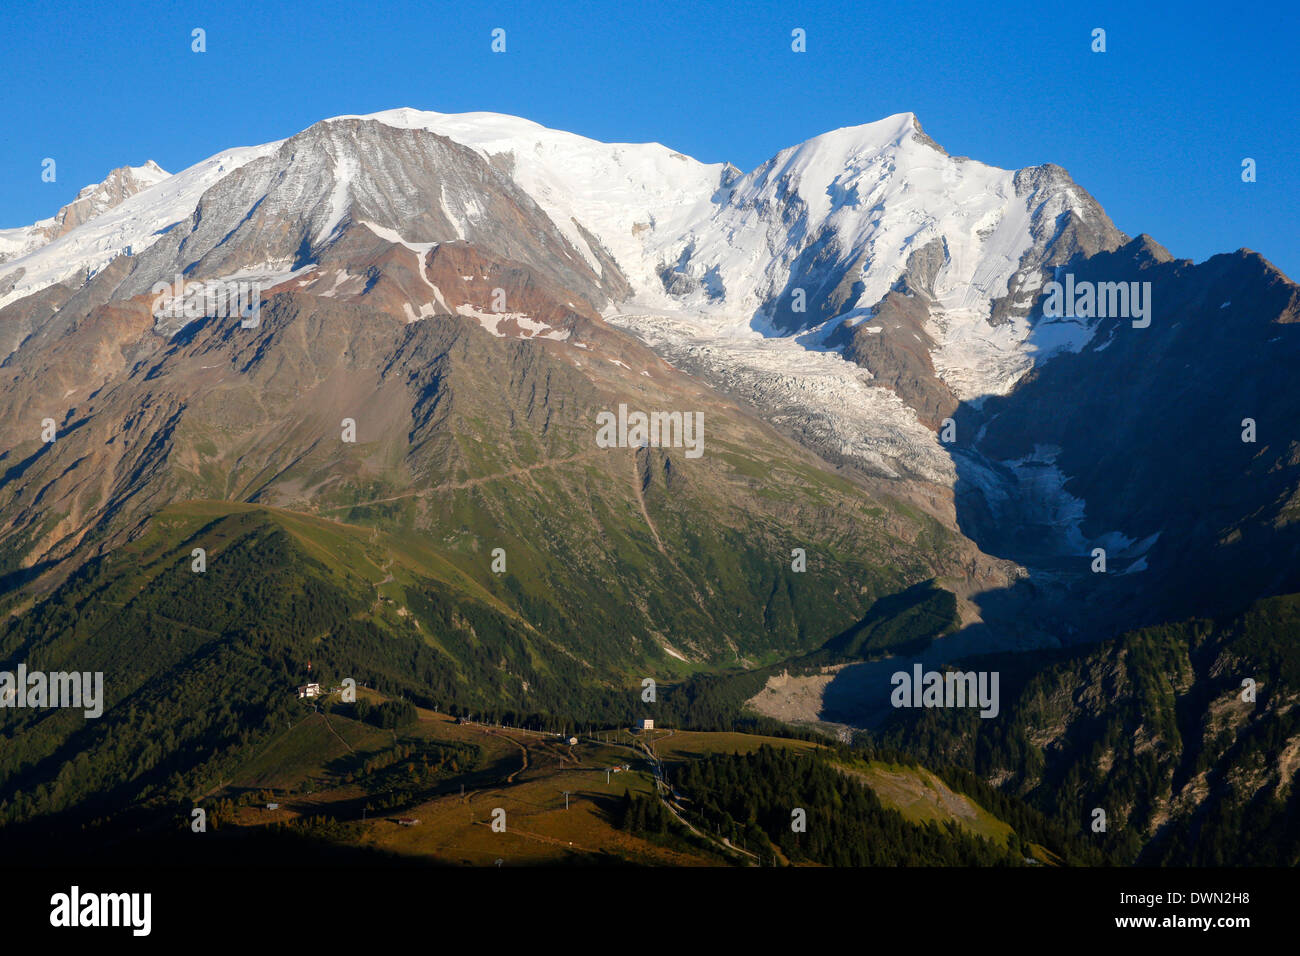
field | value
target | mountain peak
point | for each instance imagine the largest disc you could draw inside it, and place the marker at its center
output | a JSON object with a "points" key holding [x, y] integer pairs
{"points": [[92, 201], [891, 131], [124, 179]]}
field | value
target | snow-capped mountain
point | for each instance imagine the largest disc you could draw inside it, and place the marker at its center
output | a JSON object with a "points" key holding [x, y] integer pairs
{"points": [[839, 216], [449, 304], [748, 279]]}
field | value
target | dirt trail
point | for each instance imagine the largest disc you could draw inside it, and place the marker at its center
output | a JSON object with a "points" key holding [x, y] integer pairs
{"points": [[640, 500], [516, 472], [336, 734], [522, 748]]}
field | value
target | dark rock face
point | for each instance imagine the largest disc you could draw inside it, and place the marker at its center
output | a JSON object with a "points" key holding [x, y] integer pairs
{"points": [[1149, 424], [895, 348], [894, 345]]}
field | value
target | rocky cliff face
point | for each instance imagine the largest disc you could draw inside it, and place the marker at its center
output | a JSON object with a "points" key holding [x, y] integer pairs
{"points": [[1144, 430]]}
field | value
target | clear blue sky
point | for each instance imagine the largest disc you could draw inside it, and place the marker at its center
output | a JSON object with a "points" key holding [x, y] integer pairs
{"points": [[1155, 128]]}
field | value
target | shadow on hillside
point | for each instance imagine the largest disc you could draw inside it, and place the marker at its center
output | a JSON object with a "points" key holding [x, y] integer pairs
{"points": [[1165, 559]]}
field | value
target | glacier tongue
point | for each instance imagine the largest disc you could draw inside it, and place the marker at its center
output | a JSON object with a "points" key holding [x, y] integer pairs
{"points": [[828, 403]]}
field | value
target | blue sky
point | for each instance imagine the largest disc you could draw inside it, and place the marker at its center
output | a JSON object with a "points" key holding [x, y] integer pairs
{"points": [[1155, 128]]}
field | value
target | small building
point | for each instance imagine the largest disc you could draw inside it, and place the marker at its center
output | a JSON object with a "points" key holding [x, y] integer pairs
{"points": [[408, 821], [309, 690], [273, 806], [645, 723]]}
